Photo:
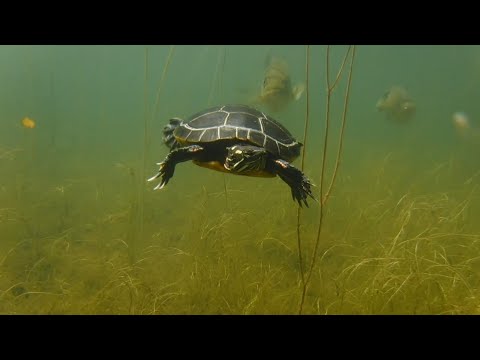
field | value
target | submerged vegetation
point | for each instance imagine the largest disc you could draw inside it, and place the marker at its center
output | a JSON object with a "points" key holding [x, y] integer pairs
{"points": [[391, 253], [82, 232]]}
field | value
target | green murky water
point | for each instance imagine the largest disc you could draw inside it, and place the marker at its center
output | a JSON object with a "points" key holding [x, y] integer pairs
{"points": [[82, 232]]}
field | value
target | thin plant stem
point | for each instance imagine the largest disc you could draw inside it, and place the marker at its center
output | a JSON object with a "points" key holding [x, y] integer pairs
{"points": [[222, 70], [302, 163], [324, 160], [160, 83], [340, 71], [141, 192], [342, 131], [215, 76]]}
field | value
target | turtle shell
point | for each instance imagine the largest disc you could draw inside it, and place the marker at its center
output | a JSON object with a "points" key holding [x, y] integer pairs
{"points": [[239, 123]]}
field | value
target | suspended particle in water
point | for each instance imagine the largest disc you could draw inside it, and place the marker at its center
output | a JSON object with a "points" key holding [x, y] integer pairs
{"points": [[461, 121], [28, 123]]}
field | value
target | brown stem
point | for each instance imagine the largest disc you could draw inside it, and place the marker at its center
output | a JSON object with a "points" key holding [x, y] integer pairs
{"points": [[165, 68], [344, 118], [324, 158], [340, 71], [305, 130]]}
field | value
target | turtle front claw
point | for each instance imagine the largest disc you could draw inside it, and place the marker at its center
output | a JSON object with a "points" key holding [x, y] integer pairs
{"points": [[165, 172], [300, 185], [167, 166], [302, 190]]}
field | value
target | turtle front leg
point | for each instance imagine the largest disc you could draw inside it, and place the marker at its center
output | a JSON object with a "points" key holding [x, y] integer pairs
{"points": [[167, 167], [298, 182]]}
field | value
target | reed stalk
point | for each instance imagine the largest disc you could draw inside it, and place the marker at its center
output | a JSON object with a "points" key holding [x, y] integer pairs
{"points": [[160, 83], [141, 188], [302, 163], [342, 130], [330, 89]]}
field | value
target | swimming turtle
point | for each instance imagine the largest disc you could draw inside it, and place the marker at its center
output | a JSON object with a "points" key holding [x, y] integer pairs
{"points": [[235, 139]]}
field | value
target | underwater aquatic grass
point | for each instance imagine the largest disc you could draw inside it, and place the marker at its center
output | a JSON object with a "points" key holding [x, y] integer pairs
{"points": [[216, 265], [413, 263], [406, 233]]}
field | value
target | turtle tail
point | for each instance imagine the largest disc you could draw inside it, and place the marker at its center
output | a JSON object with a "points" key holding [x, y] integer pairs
{"points": [[168, 137]]}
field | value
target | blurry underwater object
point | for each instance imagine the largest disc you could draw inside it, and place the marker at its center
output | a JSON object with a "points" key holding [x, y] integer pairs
{"points": [[464, 127], [277, 91], [397, 104], [461, 122], [28, 123]]}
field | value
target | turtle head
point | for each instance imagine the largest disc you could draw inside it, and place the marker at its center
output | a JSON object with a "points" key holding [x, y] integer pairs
{"points": [[168, 133], [245, 159]]}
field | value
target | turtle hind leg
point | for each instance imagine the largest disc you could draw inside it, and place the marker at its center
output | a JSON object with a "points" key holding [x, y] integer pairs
{"points": [[298, 182], [167, 167], [168, 130]]}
